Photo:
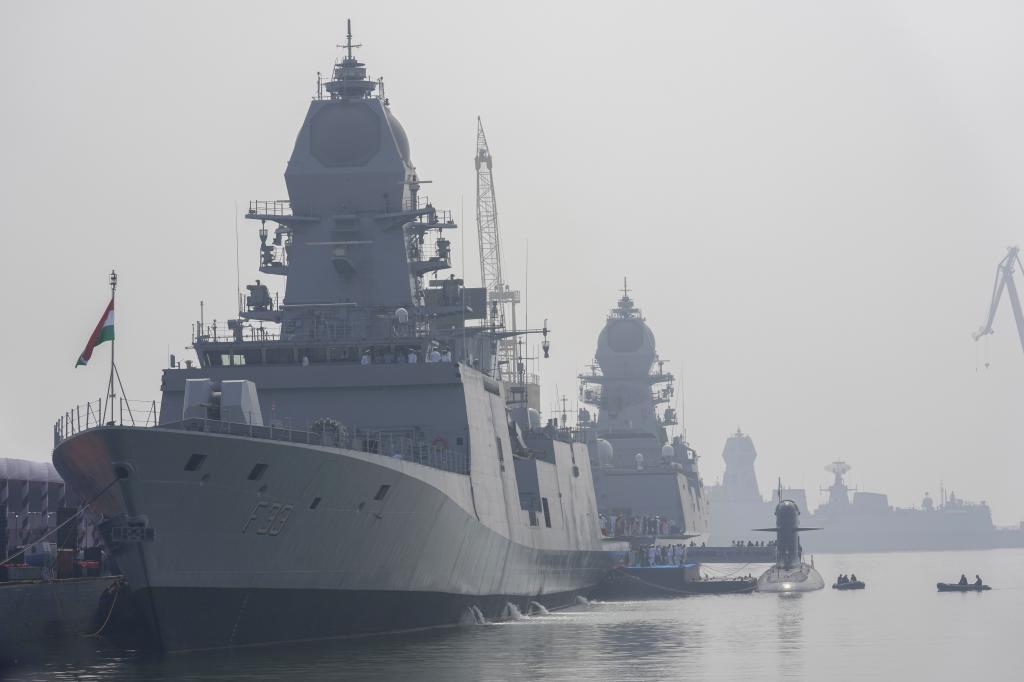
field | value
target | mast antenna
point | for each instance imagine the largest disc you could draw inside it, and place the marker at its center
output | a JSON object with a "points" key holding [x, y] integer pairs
{"points": [[348, 40]]}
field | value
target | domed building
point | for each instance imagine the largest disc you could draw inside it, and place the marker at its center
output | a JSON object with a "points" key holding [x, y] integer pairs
{"points": [[640, 469]]}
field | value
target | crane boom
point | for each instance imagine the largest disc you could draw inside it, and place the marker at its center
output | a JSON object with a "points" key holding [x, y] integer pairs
{"points": [[499, 295], [487, 216], [1005, 282]]}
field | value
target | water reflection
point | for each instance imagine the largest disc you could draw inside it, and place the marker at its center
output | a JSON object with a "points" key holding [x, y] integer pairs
{"points": [[789, 618], [818, 635]]}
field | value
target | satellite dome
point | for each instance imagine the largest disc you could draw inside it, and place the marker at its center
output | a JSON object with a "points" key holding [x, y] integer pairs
{"points": [[667, 451], [533, 418], [605, 452]]}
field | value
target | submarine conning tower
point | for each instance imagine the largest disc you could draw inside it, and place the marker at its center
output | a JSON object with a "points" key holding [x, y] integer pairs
{"points": [[787, 523]]}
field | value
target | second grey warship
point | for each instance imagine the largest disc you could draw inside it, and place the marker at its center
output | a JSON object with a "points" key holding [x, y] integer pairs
{"points": [[344, 461], [851, 520], [639, 471]]}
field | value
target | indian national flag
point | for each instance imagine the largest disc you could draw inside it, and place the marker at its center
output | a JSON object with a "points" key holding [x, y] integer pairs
{"points": [[104, 332]]}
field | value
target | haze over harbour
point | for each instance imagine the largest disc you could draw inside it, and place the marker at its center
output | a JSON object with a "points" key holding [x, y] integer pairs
{"points": [[809, 203], [777, 225]]}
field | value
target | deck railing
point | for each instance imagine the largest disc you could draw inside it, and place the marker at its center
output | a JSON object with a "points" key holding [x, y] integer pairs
{"points": [[281, 207], [394, 443], [105, 412]]}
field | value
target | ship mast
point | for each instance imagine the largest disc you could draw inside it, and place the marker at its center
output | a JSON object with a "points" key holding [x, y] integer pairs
{"points": [[111, 393]]}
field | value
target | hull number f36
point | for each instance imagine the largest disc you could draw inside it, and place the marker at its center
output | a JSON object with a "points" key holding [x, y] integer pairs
{"points": [[267, 518]]}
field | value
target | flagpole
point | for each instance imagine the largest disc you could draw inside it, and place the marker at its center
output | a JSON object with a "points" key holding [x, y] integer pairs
{"points": [[110, 385]]}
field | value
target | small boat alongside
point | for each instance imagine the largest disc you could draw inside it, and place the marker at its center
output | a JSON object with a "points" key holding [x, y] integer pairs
{"points": [[852, 585], [954, 587]]}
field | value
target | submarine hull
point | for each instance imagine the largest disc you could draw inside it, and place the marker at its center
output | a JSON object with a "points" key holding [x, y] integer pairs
{"points": [[803, 578]]}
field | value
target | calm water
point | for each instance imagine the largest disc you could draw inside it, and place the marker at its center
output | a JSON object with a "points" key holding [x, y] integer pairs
{"points": [[899, 628]]}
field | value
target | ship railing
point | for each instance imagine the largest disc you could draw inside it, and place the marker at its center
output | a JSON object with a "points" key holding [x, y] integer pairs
{"points": [[429, 251], [374, 442], [280, 207], [214, 333], [326, 331], [275, 261], [246, 304], [421, 201], [105, 412]]}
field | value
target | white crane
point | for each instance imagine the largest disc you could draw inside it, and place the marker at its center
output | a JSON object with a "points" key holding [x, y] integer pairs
{"points": [[498, 293], [1004, 281]]}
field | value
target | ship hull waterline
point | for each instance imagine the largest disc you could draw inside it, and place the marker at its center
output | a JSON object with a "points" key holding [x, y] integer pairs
{"points": [[305, 551]]}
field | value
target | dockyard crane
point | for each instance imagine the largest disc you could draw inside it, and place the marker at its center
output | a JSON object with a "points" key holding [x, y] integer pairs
{"points": [[499, 295], [1004, 281]]}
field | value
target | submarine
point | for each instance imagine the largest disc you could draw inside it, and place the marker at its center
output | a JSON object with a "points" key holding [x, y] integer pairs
{"points": [[790, 573]]}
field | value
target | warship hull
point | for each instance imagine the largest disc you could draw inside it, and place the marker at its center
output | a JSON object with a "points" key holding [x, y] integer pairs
{"points": [[326, 542]]}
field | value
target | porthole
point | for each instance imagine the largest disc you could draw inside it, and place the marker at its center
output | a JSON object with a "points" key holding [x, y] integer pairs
{"points": [[195, 462]]}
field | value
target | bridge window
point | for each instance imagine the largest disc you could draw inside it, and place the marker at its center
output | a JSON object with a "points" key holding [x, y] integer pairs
{"points": [[214, 359], [315, 355], [252, 357], [280, 356]]}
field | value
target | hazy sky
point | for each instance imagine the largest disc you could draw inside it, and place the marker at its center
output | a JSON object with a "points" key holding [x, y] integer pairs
{"points": [[809, 200]]}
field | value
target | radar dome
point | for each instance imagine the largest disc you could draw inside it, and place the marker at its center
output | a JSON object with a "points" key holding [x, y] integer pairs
{"points": [[667, 451], [533, 417], [605, 452], [625, 346]]}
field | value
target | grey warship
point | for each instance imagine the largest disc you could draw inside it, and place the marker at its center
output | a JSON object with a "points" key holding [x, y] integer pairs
{"points": [[638, 469], [851, 520], [344, 461]]}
